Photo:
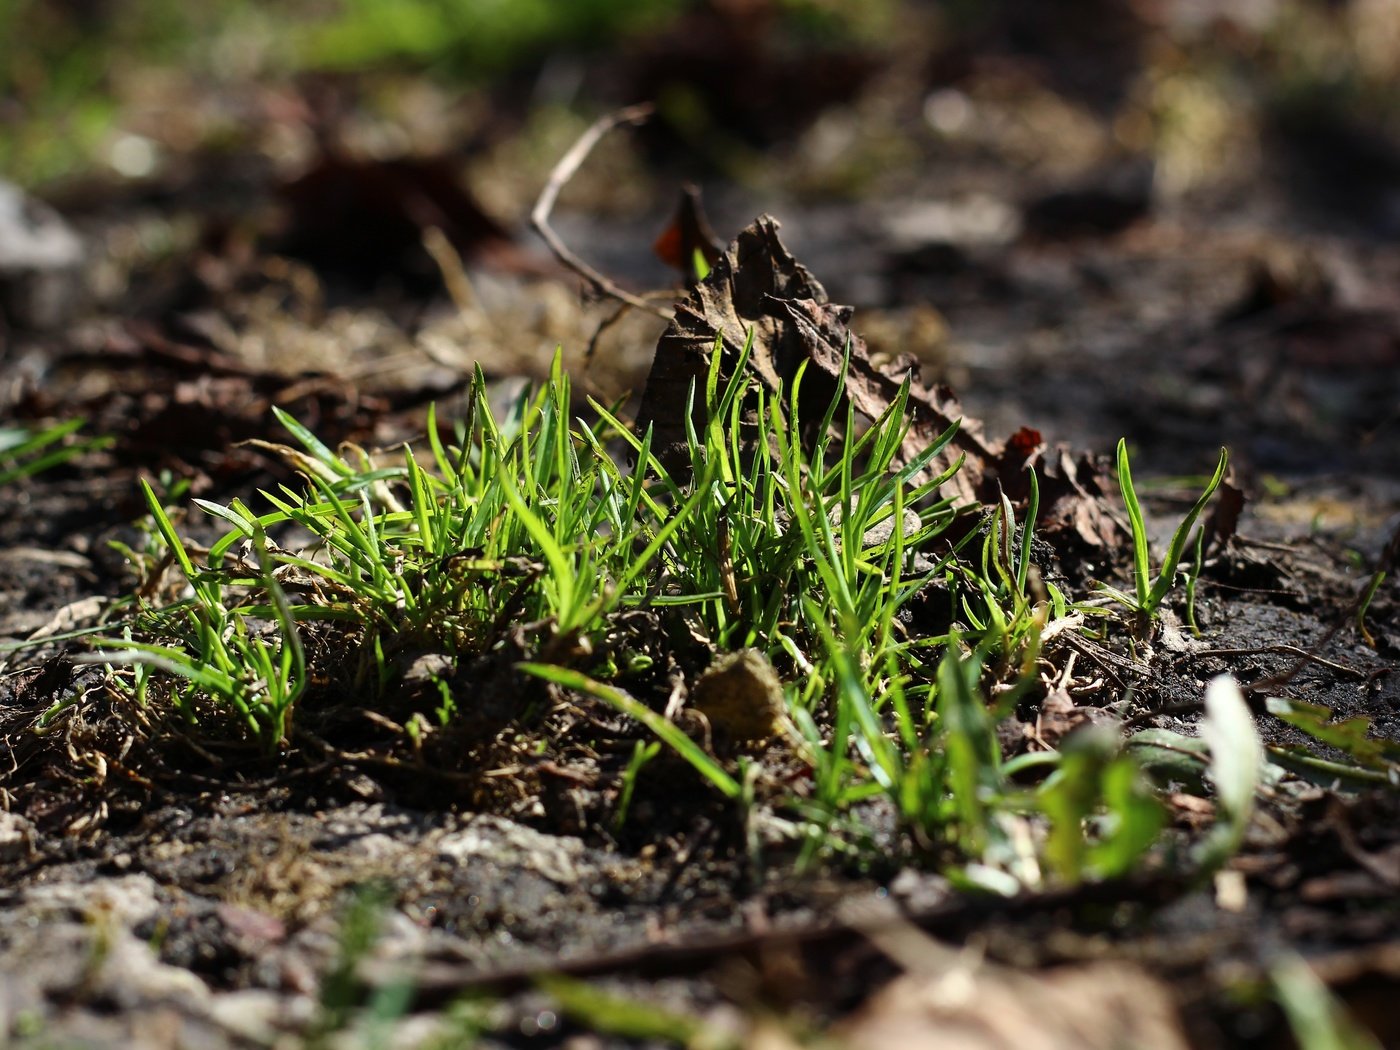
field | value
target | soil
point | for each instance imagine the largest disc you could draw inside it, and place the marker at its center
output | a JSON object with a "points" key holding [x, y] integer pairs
{"points": [[161, 889]]}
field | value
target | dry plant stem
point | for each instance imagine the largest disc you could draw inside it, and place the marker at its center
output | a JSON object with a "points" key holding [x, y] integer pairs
{"points": [[558, 178], [603, 327], [1283, 650], [454, 274], [1107, 660]]}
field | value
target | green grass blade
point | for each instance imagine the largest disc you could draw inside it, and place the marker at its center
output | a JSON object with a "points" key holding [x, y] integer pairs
{"points": [[165, 657], [1141, 567], [17, 441], [1023, 563], [559, 567], [228, 514], [311, 442], [668, 732]]}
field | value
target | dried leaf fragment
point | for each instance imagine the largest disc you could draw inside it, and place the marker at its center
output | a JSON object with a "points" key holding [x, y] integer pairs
{"points": [[757, 285]]}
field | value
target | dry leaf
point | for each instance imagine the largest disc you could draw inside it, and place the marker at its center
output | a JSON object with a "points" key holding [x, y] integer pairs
{"points": [[758, 286]]}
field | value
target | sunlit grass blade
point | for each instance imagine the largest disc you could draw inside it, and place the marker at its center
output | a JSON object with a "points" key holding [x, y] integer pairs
{"points": [[312, 443], [1141, 565], [1236, 757], [1023, 561]]}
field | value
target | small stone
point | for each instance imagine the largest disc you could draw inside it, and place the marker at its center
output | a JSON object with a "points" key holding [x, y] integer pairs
{"points": [[41, 262], [16, 836], [741, 695], [882, 531]]}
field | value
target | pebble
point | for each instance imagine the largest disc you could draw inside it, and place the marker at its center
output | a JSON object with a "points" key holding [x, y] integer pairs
{"points": [[41, 261]]}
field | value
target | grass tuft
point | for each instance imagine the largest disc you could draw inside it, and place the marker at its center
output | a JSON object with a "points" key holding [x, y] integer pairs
{"points": [[546, 535]]}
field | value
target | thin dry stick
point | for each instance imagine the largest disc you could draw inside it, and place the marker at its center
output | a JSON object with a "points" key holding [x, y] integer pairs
{"points": [[604, 327], [1282, 649], [558, 178], [454, 274]]}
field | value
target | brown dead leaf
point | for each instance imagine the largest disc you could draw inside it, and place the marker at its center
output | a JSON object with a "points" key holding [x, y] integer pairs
{"points": [[822, 328], [1075, 497], [758, 286], [1225, 519]]}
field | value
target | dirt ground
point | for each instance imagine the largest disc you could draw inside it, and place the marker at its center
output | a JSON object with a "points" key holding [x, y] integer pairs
{"points": [[161, 890]]}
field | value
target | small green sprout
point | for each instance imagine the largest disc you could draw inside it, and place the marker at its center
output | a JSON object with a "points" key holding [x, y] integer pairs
{"points": [[1149, 592], [1236, 758]]}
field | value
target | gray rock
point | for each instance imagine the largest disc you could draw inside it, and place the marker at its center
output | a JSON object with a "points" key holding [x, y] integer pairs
{"points": [[16, 836], [41, 261]]}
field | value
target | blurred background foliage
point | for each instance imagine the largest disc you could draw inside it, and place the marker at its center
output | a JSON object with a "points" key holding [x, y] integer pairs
{"points": [[71, 71], [124, 86]]}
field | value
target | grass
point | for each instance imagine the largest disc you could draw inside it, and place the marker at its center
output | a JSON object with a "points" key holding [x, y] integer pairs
{"points": [[1317, 1018], [541, 533], [25, 452], [1148, 591], [220, 649], [540, 539]]}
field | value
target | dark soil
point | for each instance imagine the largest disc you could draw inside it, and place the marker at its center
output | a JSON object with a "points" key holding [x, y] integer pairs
{"points": [[160, 889]]}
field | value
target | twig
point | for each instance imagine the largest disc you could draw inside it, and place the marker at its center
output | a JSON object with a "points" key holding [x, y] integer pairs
{"points": [[564, 171], [1282, 649], [454, 274], [441, 980], [1106, 659], [607, 323]]}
